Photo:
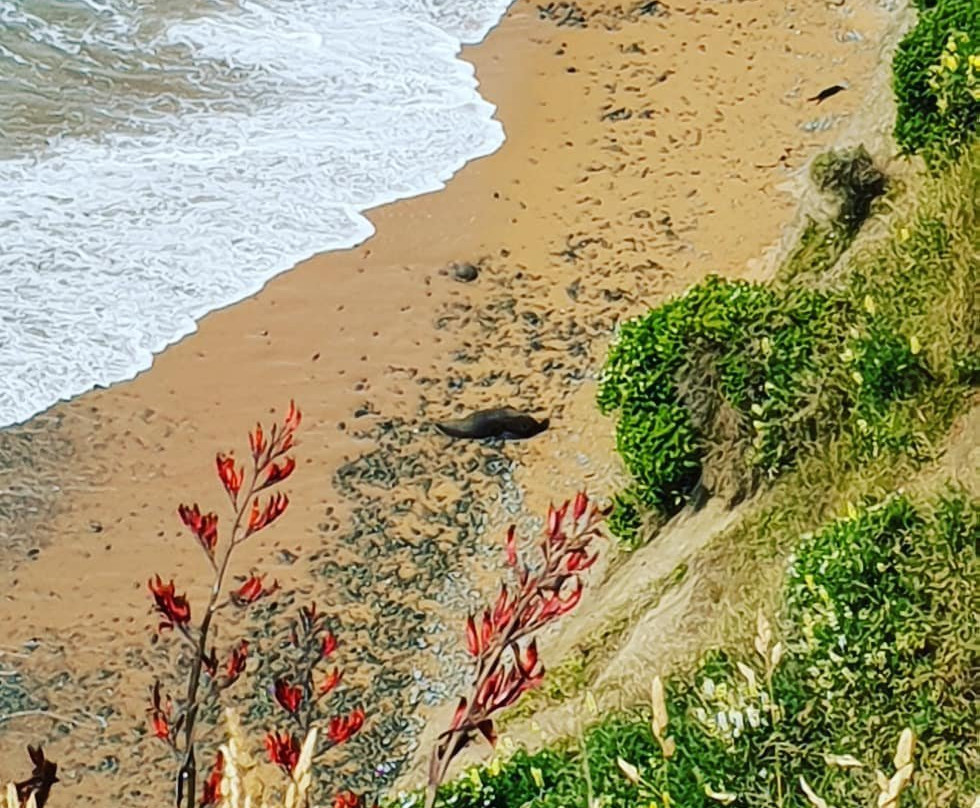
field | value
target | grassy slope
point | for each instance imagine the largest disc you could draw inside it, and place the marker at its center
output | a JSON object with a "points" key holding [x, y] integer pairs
{"points": [[869, 588], [919, 281]]}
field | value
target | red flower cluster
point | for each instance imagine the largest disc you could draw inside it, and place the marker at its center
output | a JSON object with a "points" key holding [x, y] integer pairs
{"points": [[341, 728], [289, 696], [204, 526], [237, 660], [283, 749], [347, 799], [231, 476], [261, 518], [507, 665], [279, 473], [503, 687], [211, 793], [330, 681], [269, 466], [279, 442], [299, 694], [234, 666], [253, 589], [173, 607], [160, 713]]}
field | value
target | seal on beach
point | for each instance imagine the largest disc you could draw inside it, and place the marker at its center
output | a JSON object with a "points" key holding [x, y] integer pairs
{"points": [[500, 422]]}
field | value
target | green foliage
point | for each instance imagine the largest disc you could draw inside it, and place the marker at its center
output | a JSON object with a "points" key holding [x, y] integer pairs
{"points": [[936, 78], [792, 366], [660, 447], [761, 346], [626, 519], [877, 641], [878, 603], [887, 367], [816, 251], [796, 368]]}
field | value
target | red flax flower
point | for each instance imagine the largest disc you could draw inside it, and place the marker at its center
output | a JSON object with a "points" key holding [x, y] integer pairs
{"points": [[160, 714], [211, 793], [283, 750], [330, 681], [510, 543], [253, 589], [250, 513], [261, 518], [256, 442], [174, 608], [231, 476], [237, 660], [341, 728], [290, 425], [204, 526], [347, 799], [293, 417], [329, 645], [277, 473], [289, 696]]}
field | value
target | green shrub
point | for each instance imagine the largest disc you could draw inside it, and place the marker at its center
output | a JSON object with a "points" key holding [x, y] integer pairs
{"points": [[749, 373], [879, 638], [936, 78], [887, 368], [766, 372], [660, 448], [759, 345], [877, 604], [626, 518]]}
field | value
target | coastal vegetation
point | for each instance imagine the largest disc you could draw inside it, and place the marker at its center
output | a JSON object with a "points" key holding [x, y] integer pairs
{"points": [[828, 393], [728, 384], [937, 80], [869, 600], [868, 646]]}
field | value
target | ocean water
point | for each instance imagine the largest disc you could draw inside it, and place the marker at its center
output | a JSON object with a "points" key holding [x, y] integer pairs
{"points": [[159, 160]]}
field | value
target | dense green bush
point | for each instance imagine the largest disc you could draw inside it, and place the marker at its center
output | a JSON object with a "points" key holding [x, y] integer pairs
{"points": [[756, 343], [787, 366], [878, 605], [936, 78]]}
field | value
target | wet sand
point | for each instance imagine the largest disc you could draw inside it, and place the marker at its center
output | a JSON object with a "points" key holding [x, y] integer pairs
{"points": [[643, 151]]}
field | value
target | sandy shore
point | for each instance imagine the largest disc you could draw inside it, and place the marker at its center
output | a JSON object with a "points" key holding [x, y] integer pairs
{"points": [[643, 151]]}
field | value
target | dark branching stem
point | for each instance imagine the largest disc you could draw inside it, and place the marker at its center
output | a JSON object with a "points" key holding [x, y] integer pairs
{"points": [[187, 774], [186, 784], [537, 602]]}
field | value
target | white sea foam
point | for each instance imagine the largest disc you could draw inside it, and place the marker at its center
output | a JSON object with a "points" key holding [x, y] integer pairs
{"points": [[163, 167]]}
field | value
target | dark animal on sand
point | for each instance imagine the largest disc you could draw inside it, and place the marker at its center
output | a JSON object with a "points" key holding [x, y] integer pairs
{"points": [[501, 422], [823, 95]]}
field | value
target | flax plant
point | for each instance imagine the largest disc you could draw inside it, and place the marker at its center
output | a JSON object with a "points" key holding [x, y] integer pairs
{"points": [[269, 466], [506, 653]]}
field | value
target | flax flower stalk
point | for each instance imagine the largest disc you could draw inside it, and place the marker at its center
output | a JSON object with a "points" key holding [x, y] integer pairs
{"points": [[507, 662]]}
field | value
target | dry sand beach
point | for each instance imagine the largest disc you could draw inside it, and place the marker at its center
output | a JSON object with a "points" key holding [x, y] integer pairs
{"points": [[644, 150]]}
